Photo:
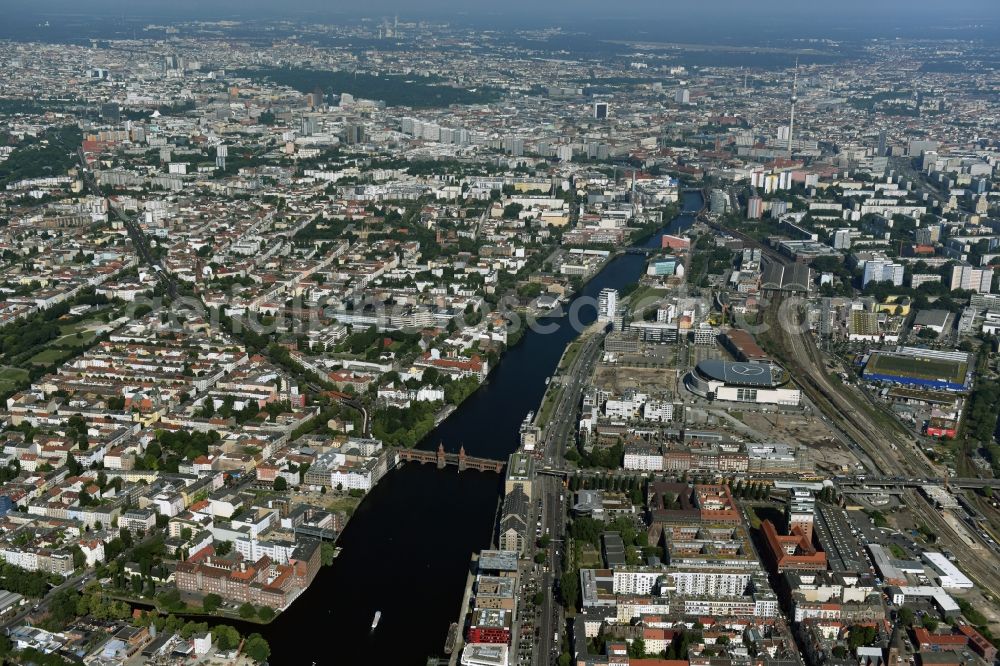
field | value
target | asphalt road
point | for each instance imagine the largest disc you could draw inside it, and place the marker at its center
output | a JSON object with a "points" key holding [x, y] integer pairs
{"points": [[558, 434], [77, 582], [139, 240], [563, 424]]}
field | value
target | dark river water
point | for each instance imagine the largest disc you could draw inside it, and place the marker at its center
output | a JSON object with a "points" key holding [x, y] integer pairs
{"points": [[407, 549]]}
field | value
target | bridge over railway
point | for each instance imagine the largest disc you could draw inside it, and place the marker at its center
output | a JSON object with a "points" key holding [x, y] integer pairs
{"points": [[857, 484], [442, 459]]}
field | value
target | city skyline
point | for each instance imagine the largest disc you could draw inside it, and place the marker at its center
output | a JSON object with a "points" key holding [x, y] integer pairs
{"points": [[552, 334]]}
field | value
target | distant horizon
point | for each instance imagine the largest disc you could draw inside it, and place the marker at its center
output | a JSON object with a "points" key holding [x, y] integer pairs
{"points": [[730, 17]]}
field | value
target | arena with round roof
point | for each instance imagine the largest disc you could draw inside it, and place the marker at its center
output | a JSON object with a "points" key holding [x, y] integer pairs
{"points": [[762, 382]]}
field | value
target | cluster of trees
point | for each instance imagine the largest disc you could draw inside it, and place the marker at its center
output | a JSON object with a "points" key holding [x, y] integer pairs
{"points": [[981, 417], [224, 636], [245, 158], [457, 390], [928, 534], [512, 210], [678, 648], [139, 585], [530, 290], [508, 281], [630, 485], [878, 519], [971, 613], [327, 553], [170, 447], [257, 648], [67, 604], [248, 611], [29, 655], [171, 600], [609, 457], [35, 158], [404, 427], [928, 622], [637, 648], [38, 106], [228, 281], [434, 167], [32, 584], [370, 343], [708, 261], [280, 355], [115, 402], [318, 425], [361, 341], [118, 545], [10, 471], [76, 429], [26, 338], [569, 588], [211, 602], [832, 264], [920, 298], [753, 490], [253, 340], [861, 635], [96, 603], [22, 339], [829, 495], [395, 90], [148, 555], [682, 642], [647, 231], [588, 530], [980, 422], [251, 410]]}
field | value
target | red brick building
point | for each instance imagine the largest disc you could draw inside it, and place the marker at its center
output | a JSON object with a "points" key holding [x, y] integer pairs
{"points": [[793, 551], [263, 582]]}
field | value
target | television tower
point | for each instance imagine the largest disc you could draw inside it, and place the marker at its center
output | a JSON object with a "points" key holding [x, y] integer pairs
{"points": [[791, 119]]}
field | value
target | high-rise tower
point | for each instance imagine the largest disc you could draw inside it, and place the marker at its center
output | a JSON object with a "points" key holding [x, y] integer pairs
{"points": [[791, 118]]}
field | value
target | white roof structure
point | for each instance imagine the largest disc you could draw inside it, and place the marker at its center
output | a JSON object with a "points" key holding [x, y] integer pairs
{"points": [[484, 654], [950, 577], [940, 597]]}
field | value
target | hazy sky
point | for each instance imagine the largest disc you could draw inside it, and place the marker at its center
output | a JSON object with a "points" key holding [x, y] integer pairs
{"points": [[673, 19], [527, 8]]}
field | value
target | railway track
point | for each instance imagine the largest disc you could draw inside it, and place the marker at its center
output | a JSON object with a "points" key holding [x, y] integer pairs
{"points": [[797, 352], [891, 450], [799, 355], [974, 559]]}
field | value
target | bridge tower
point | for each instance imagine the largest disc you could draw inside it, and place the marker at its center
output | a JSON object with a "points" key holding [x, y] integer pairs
{"points": [[461, 458], [441, 461]]}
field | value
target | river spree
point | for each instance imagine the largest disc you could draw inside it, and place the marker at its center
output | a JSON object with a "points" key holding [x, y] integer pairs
{"points": [[407, 549]]}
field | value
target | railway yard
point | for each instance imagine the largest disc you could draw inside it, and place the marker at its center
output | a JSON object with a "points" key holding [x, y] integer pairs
{"points": [[883, 446]]}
